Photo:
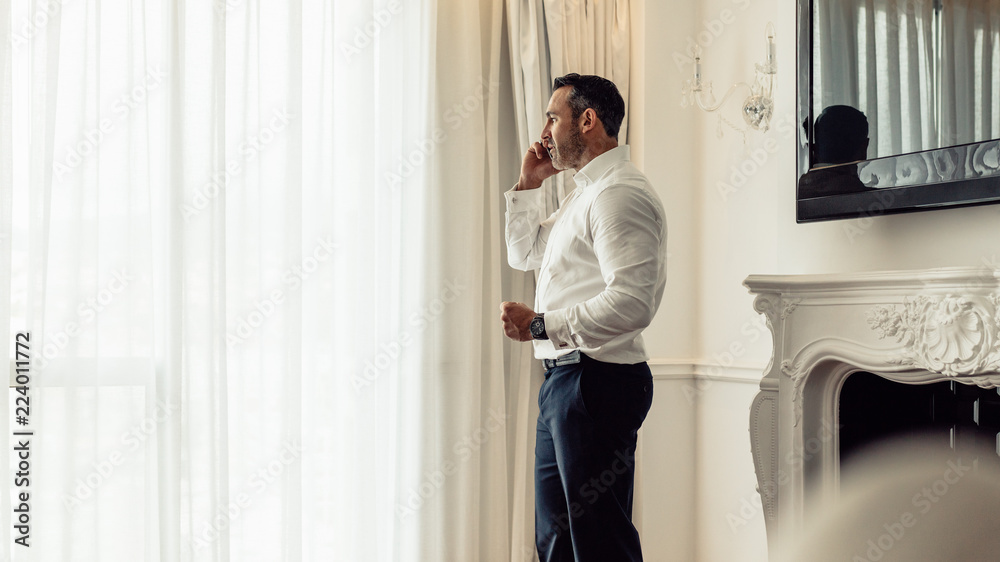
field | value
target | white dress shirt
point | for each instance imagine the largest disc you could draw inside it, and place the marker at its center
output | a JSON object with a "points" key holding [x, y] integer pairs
{"points": [[602, 257]]}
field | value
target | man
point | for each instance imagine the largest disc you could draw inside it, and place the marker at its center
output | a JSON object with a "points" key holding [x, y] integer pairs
{"points": [[602, 260]]}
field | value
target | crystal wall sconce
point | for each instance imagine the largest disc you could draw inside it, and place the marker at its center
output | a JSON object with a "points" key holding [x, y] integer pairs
{"points": [[758, 107]]}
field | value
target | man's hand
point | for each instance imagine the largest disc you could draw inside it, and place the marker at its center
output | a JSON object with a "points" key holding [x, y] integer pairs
{"points": [[516, 319], [535, 168]]}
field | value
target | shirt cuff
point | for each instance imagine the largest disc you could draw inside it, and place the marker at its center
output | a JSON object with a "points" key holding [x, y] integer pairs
{"points": [[520, 201], [557, 329]]}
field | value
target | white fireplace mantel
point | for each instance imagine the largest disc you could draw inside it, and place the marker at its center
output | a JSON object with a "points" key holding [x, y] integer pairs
{"points": [[912, 327]]}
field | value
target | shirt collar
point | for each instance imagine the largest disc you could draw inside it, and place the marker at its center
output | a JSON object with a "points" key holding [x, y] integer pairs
{"points": [[596, 168]]}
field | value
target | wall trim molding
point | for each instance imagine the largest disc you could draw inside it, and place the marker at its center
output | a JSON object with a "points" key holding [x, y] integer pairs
{"points": [[689, 370]]}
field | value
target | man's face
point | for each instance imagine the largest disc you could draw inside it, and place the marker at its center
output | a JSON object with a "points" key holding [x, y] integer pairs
{"points": [[561, 134]]}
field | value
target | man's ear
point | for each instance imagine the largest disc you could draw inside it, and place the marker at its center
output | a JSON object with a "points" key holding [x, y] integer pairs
{"points": [[588, 120]]}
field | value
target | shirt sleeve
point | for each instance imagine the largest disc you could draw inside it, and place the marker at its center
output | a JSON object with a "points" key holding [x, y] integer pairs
{"points": [[629, 242], [527, 230]]}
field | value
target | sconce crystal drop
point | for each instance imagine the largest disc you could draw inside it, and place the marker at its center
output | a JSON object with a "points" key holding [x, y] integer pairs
{"points": [[757, 111]]}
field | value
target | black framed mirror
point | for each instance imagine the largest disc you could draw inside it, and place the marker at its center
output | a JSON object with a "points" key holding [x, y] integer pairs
{"points": [[898, 103]]}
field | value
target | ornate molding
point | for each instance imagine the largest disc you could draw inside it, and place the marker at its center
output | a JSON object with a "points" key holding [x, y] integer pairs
{"points": [[988, 381], [955, 336], [798, 374], [790, 306], [769, 305]]}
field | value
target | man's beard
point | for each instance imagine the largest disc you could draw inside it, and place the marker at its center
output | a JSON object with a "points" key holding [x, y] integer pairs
{"points": [[568, 153]]}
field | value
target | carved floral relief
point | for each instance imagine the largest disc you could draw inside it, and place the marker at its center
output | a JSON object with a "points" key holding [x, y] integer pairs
{"points": [[954, 336]]}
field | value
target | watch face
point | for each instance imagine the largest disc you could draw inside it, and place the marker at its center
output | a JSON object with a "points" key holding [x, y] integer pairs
{"points": [[537, 327]]}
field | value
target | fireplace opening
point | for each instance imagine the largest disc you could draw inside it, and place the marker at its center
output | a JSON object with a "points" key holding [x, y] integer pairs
{"points": [[947, 415]]}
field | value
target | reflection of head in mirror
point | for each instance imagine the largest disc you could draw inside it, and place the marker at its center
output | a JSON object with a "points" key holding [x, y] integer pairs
{"points": [[839, 138]]}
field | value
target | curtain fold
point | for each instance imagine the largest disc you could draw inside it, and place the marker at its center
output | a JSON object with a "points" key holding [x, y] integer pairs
{"points": [[194, 486], [261, 255], [532, 82], [970, 71]]}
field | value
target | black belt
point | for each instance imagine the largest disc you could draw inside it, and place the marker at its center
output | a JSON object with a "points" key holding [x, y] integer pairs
{"points": [[571, 358]]}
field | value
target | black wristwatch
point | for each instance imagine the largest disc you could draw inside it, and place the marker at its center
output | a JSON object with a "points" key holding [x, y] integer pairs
{"points": [[537, 327]]}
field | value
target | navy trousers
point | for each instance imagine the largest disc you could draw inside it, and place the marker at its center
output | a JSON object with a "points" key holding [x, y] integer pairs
{"points": [[589, 414]]}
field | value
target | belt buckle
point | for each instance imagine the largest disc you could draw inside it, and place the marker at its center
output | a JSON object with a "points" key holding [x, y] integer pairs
{"points": [[571, 358]]}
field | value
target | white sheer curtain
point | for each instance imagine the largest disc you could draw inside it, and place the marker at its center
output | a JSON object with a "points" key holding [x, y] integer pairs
{"points": [[548, 39], [256, 245]]}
